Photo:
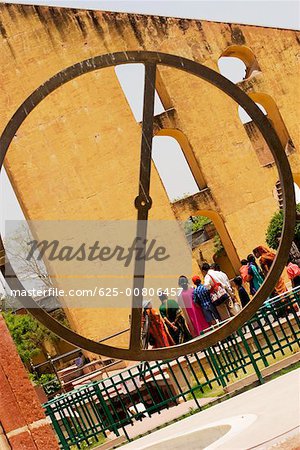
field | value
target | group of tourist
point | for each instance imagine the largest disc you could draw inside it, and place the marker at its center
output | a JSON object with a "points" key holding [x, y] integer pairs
{"points": [[254, 275], [211, 301], [196, 309], [165, 327]]}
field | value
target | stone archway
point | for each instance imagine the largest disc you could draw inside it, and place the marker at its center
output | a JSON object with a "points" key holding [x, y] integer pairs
{"points": [[194, 206]]}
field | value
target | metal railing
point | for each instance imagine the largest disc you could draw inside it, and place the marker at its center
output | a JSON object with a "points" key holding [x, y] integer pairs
{"points": [[71, 354], [59, 385], [87, 414]]}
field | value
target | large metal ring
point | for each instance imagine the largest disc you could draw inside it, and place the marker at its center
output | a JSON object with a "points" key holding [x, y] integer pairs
{"points": [[270, 137]]}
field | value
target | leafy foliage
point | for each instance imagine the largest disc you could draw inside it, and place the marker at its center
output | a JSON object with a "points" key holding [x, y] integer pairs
{"points": [[28, 335], [275, 228], [218, 246], [43, 379], [48, 381], [93, 441], [196, 224], [32, 269]]}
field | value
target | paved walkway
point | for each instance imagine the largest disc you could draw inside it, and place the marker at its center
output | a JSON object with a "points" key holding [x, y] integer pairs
{"points": [[166, 416], [274, 408]]}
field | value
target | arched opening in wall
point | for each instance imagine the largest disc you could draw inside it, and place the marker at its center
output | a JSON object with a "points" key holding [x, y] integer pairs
{"points": [[245, 118], [296, 177], [210, 241], [131, 78], [170, 146], [267, 104], [238, 63], [232, 68], [173, 168]]}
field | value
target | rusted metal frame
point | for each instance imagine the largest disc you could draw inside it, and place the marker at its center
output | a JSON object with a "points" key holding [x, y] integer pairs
{"points": [[143, 203], [271, 139]]}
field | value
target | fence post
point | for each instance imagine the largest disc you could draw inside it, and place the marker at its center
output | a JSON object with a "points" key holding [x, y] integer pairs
{"points": [[216, 366], [56, 426], [252, 359], [109, 417]]}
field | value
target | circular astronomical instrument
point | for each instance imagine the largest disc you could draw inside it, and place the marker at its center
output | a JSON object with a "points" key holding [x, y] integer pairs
{"points": [[143, 202]]}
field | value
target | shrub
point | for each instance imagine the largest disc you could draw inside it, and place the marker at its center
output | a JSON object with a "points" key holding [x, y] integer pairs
{"points": [[275, 228]]}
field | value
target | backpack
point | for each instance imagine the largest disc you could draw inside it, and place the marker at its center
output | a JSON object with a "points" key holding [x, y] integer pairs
{"points": [[218, 293], [196, 298]]}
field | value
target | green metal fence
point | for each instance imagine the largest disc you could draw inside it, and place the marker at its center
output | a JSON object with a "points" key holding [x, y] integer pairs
{"points": [[85, 415]]}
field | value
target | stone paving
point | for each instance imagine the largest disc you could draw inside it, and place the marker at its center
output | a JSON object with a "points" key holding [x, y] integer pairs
{"points": [[166, 416], [275, 404], [292, 443]]}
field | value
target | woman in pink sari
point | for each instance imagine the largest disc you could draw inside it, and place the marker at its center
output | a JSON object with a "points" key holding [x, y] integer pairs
{"points": [[194, 315]]}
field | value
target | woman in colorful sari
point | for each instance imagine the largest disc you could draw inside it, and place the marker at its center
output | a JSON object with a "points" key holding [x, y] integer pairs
{"points": [[266, 259], [154, 331], [195, 317], [255, 277], [174, 319]]}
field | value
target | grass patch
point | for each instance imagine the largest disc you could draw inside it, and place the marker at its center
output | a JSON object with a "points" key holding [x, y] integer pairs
{"points": [[206, 392], [284, 371], [91, 443]]}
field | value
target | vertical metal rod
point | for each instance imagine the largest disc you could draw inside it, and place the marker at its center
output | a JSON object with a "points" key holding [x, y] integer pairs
{"points": [[143, 203], [57, 428], [217, 367], [257, 343], [252, 359]]}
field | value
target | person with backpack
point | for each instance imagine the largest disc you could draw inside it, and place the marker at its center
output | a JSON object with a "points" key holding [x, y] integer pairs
{"points": [[202, 298], [220, 290]]}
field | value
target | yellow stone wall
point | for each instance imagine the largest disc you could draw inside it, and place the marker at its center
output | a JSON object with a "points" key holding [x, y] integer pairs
{"points": [[77, 155]]}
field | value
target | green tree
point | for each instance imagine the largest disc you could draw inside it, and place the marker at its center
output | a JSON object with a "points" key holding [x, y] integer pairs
{"points": [[50, 383], [275, 228], [196, 224], [32, 269], [218, 246], [28, 335]]}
